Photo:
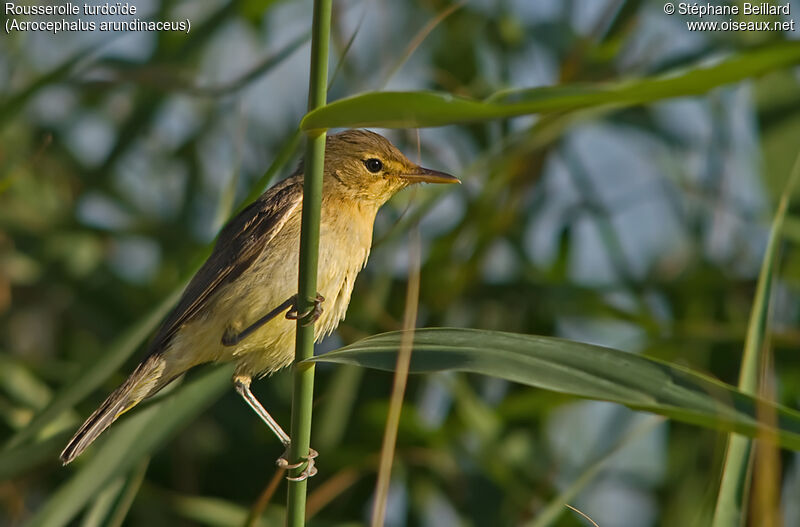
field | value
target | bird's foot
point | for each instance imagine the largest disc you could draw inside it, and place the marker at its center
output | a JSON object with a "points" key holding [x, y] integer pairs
{"points": [[310, 469], [310, 315]]}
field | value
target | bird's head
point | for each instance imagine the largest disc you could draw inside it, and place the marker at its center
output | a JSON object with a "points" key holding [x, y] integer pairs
{"points": [[366, 166]]}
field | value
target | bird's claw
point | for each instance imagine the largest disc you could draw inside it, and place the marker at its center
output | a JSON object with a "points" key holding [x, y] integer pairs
{"points": [[310, 469], [310, 315]]}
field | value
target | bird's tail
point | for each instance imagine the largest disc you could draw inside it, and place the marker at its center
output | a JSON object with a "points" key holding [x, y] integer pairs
{"points": [[145, 380]]}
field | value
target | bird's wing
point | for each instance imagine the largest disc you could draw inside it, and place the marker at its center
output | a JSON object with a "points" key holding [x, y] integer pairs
{"points": [[238, 246]]}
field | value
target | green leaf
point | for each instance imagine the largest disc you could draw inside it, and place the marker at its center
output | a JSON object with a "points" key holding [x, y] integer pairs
{"points": [[421, 109], [731, 506], [582, 370], [130, 441]]}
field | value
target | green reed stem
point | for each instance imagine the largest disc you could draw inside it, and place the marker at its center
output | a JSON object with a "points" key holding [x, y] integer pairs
{"points": [[309, 253]]}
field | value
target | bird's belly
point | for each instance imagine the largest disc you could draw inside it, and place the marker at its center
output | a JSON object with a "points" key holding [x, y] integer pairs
{"points": [[269, 282]]}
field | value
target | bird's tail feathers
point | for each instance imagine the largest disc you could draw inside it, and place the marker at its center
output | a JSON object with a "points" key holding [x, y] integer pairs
{"points": [[145, 380]]}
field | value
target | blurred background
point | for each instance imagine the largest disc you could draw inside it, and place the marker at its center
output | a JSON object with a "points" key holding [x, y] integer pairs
{"points": [[643, 229]]}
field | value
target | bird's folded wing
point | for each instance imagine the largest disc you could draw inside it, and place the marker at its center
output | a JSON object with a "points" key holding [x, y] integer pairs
{"points": [[239, 244]]}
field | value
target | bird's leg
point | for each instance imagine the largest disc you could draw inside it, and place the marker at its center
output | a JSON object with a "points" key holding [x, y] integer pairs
{"points": [[230, 339], [242, 384], [310, 315]]}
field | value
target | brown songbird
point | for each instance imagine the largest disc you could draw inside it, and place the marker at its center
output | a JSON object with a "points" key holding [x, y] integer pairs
{"points": [[229, 311]]}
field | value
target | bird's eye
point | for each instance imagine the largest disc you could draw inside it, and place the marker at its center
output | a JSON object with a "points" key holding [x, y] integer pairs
{"points": [[373, 165]]}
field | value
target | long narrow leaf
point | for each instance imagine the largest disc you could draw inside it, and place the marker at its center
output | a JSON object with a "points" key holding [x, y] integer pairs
{"points": [[732, 493], [421, 109], [582, 370]]}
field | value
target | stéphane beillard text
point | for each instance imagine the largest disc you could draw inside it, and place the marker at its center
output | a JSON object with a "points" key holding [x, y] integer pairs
{"points": [[747, 8]]}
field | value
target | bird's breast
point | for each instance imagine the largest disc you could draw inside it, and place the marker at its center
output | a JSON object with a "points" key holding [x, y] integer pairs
{"points": [[345, 240]]}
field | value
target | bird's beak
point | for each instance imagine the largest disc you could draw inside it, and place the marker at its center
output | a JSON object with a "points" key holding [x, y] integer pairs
{"points": [[426, 175]]}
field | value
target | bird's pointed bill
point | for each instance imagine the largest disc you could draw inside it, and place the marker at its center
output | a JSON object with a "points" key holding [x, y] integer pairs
{"points": [[426, 175]]}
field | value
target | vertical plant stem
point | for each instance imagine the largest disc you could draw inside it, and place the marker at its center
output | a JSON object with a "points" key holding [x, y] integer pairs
{"points": [[309, 253], [399, 385]]}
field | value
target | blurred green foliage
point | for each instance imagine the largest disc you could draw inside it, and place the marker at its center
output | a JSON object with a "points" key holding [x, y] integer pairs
{"points": [[641, 228]]}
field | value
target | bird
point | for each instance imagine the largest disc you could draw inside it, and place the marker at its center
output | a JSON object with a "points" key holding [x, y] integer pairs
{"points": [[230, 309]]}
